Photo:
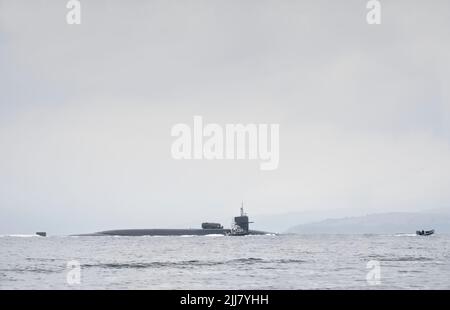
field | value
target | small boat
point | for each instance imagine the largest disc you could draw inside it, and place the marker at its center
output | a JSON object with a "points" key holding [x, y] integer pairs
{"points": [[425, 232]]}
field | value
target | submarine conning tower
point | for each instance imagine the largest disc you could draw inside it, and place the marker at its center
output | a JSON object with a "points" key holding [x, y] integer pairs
{"points": [[242, 220]]}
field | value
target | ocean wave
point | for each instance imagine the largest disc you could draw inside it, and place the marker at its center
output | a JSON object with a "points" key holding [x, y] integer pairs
{"points": [[405, 235], [192, 263], [19, 236], [33, 270], [401, 258]]}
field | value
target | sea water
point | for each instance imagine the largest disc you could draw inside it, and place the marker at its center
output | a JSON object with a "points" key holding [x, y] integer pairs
{"points": [[400, 261]]}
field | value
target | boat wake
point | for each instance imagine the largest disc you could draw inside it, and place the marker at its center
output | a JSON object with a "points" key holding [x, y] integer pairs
{"points": [[19, 236]]}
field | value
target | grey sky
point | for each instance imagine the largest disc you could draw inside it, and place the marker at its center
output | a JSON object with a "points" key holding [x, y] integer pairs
{"points": [[86, 110]]}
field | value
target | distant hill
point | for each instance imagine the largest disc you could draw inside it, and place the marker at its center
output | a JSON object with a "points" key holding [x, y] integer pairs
{"points": [[282, 221], [383, 223]]}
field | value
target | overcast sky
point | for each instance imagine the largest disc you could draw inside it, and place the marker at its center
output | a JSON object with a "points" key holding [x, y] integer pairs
{"points": [[86, 110]]}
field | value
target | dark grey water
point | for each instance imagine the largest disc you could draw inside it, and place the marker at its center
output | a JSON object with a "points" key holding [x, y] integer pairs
{"points": [[213, 262]]}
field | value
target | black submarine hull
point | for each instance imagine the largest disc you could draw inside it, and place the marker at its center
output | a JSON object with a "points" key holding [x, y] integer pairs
{"points": [[170, 232], [240, 228]]}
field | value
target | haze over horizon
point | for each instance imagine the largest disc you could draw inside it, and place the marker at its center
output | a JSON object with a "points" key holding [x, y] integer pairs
{"points": [[86, 110]]}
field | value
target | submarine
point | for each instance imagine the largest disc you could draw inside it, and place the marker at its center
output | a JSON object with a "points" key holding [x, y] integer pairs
{"points": [[240, 227]]}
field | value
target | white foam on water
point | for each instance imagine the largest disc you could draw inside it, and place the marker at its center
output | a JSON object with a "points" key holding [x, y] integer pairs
{"points": [[405, 235], [19, 236]]}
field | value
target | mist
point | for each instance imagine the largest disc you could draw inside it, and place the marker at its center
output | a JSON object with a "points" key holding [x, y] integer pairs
{"points": [[86, 110]]}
